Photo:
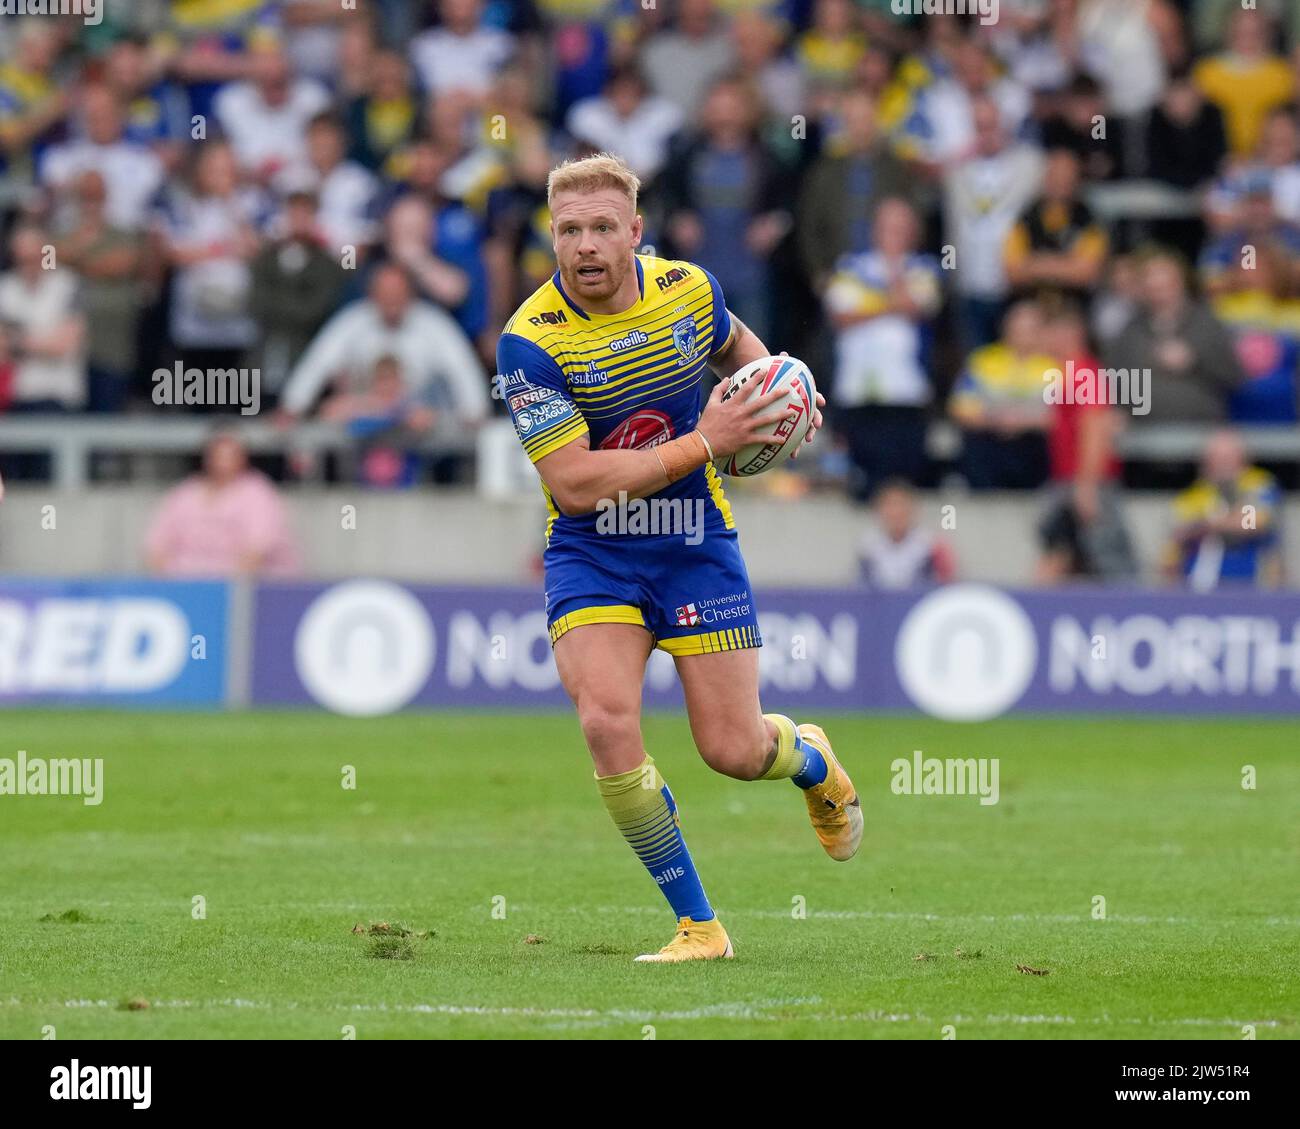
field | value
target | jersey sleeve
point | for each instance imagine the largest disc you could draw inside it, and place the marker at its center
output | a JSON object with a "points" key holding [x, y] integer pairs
{"points": [[723, 328], [535, 392]]}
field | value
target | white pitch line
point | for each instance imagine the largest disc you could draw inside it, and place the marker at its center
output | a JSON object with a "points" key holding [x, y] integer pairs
{"points": [[761, 1010], [986, 918]]}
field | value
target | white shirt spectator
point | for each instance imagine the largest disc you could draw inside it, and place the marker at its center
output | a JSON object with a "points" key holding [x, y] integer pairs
{"points": [[890, 566], [346, 196], [681, 67], [132, 176], [210, 300], [1121, 49], [445, 61], [43, 308], [983, 197], [946, 107], [878, 360], [262, 134], [641, 139], [436, 358]]}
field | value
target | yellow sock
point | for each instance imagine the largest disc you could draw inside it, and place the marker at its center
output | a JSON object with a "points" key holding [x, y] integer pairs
{"points": [[789, 760], [643, 809]]}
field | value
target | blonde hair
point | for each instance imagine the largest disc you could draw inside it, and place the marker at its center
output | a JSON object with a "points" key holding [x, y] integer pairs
{"points": [[591, 174]]}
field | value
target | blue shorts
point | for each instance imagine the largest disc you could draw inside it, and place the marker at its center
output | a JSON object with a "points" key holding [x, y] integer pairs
{"points": [[693, 599]]}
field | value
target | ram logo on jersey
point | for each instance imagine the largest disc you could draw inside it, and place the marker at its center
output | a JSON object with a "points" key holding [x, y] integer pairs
{"points": [[549, 317], [671, 278]]}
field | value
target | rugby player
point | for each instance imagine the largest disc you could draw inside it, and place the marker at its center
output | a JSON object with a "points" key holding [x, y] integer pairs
{"points": [[601, 369]]}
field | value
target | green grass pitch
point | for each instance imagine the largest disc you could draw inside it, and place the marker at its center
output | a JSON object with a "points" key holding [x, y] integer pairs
{"points": [[486, 830]]}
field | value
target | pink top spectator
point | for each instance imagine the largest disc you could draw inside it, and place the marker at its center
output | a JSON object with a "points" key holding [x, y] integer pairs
{"points": [[207, 530]]}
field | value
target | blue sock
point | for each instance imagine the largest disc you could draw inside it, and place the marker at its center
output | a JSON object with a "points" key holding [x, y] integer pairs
{"points": [[814, 764], [643, 809]]}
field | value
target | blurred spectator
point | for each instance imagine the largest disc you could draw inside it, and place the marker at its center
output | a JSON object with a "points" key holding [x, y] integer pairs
{"points": [[297, 284], [983, 197], [155, 110], [265, 118], [7, 372], [1181, 343], [1035, 46], [132, 174], [756, 38], [897, 553], [409, 243], [1185, 138], [725, 200], [437, 361], [32, 104], [683, 64], [387, 421], [1057, 245], [628, 120], [587, 39], [1279, 158], [463, 52], [227, 520], [44, 326], [108, 261], [385, 116], [209, 236], [1227, 522], [1119, 44], [314, 35], [829, 50], [1082, 533], [346, 191], [1082, 126], [1116, 303], [948, 107], [1259, 306], [1247, 80], [454, 238], [844, 188], [999, 404], [881, 303], [1255, 226]]}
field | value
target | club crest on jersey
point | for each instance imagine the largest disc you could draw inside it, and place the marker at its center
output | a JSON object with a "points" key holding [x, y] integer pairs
{"points": [[686, 336], [687, 616]]}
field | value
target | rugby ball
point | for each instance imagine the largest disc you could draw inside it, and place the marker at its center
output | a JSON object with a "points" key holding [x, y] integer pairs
{"points": [[788, 431]]}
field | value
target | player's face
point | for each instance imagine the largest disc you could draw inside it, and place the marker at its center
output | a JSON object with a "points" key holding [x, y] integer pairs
{"points": [[595, 234]]}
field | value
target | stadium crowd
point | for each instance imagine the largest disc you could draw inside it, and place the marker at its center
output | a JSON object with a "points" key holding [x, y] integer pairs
{"points": [[350, 199]]}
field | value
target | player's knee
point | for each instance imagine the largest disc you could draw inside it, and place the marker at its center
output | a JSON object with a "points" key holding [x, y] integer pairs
{"points": [[609, 729], [736, 751]]}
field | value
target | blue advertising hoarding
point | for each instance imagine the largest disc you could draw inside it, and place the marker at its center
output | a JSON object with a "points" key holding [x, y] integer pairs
{"points": [[113, 642], [966, 652]]}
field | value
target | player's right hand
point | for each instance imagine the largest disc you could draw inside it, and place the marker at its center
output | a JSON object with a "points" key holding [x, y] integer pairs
{"points": [[735, 423]]}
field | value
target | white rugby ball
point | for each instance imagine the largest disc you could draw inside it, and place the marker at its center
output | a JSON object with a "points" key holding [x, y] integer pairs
{"points": [[788, 431]]}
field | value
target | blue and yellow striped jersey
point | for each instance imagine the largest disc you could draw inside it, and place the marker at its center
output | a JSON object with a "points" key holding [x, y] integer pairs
{"points": [[626, 380]]}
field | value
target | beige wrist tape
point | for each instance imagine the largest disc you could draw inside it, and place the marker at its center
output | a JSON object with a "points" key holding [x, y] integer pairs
{"points": [[681, 456]]}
